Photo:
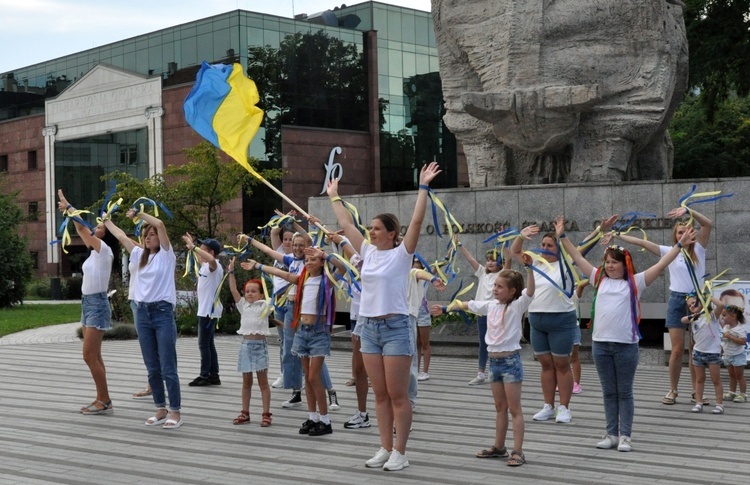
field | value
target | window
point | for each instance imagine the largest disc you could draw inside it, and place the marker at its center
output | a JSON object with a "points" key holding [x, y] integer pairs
{"points": [[32, 160], [3, 163], [33, 211]]}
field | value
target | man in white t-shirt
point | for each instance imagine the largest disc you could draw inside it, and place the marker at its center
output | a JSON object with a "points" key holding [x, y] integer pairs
{"points": [[210, 277]]}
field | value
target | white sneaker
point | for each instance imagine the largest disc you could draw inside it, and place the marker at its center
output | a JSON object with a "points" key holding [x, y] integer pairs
{"points": [[609, 442], [423, 376], [357, 421], [547, 412], [333, 401], [624, 444], [380, 458], [562, 415], [481, 378], [396, 462], [279, 382]]}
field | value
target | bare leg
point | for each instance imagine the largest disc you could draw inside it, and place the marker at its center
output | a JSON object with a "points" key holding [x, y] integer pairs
{"points": [[564, 378], [265, 390], [677, 338], [247, 388], [360, 375], [700, 380], [739, 372], [575, 363], [425, 350], [715, 371], [92, 355], [548, 378], [513, 395], [315, 392]]}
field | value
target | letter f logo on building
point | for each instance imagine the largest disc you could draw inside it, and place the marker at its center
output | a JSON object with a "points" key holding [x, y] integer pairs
{"points": [[333, 170]]}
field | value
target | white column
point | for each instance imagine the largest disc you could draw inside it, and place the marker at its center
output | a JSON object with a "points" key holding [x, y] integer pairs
{"points": [[155, 140], [49, 132]]}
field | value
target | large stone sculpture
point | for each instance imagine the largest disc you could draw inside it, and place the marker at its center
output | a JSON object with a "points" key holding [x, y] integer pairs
{"points": [[547, 91]]}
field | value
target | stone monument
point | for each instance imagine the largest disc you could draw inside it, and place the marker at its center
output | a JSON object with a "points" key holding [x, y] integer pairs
{"points": [[556, 91]]}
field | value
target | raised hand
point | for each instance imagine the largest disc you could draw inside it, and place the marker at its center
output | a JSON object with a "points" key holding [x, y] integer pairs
{"points": [[529, 231], [428, 173]]}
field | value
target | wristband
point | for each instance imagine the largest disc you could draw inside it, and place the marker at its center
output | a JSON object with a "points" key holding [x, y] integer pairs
{"points": [[679, 244], [335, 199], [70, 206], [425, 187], [444, 308], [434, 278], [231, 272], [260, 268], [528, 267], [342, 243], [562, 236], [328, 258]]}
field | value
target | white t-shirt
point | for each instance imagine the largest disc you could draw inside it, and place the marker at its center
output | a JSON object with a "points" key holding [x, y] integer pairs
{"points": [[385, 278], [96, 270], [503, 333], [280, 283], [156, 278], [547, 298], [679, 277], [730, 347], [251, 323], [707, 334], [485, 283], [208, 283], [295, 267], [613, 316], [309, 304], [416, 292]]}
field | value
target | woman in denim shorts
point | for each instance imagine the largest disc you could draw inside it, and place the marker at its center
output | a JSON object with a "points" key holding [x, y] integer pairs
{"points": [[680, 285], [96, 316], [387, 343]]}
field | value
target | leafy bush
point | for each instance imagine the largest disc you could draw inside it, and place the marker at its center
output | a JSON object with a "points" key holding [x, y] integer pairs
{"points": [[39, 288], [121, 311], [72, 288], [119, 331], [186, 317], [15, 259]]}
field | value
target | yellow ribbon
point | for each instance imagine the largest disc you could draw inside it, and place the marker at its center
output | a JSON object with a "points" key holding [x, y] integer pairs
{"points": [[456, 301], [69, 215], [110, 207], [191, 263]]}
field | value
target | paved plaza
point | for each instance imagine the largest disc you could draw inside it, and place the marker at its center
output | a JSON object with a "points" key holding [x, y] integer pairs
{"points": [[45, 440]]}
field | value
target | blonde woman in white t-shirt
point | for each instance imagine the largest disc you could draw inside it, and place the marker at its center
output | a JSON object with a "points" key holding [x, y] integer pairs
{"points": [[96, 314], [614, 323], [387, 344]]}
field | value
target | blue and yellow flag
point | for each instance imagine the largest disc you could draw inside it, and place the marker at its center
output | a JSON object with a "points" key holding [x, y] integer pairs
{"points": [[221, 108]]}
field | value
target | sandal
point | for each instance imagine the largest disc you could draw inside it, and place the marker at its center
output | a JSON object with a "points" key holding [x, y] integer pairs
{"points": [[493, 452], [266, 421], [670, 398], [156, 420], [142, 394], [693, 400], [172, 423], [517, 458], [719, 409], [94, 409], [243, 418], [353, 381]]}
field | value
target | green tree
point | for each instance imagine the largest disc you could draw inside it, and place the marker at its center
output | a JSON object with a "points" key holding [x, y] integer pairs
{"points": [[14, 256], [195, 193], [718, 33], [720, 148]]}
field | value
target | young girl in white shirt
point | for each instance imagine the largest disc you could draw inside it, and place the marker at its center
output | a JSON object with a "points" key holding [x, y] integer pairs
{"points": [[615, 318], [504, 331], [706, 332], [733, 342], [253, 354]]}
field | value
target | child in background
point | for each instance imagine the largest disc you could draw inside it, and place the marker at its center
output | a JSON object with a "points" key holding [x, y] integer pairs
{"points": [[575, 361], [707, 350], [504, 323], [253, 354], [733, 340]]}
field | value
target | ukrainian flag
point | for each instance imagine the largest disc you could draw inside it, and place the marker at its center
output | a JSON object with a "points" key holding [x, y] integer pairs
{"points": [[221, 108]]}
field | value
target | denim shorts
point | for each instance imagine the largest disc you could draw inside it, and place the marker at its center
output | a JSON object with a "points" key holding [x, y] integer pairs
{"points": [[702, 359], [311, 341], [577, 336], [253, 356], [553, 332], [424, 319], [96, 312], [676, 309], [739, 360], [506, 369], [386, 336]]}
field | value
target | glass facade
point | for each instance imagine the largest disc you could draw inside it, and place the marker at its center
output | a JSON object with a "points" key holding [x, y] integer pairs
{"points": [[409, 87]]}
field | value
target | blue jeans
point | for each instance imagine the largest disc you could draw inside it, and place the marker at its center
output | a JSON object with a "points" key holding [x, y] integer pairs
{"points": [[291, 365], [207, 348], [482, 330], [616, 364], [157, 336], [280, 315], [414, 370]]}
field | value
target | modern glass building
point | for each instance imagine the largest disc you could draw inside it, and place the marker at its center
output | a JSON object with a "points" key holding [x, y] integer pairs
{"points": [[365, 74]]}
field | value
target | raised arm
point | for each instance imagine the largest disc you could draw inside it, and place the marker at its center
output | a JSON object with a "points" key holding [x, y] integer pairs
{"points": [[579, 260], [88, 239], [516, 249], [343, 217], [271, 253], [205, 255], [155, 222], [126, 242], [466, 254], [251, 264], [233, 282], [426, 175], [437, 310], [706, 223], [530, 280], [654, 271], [649, 246]]}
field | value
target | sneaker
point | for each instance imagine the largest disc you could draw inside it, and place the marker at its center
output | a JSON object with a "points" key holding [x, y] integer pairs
{"points": [[479, 379], [562, 415], [214, 381], [609, 442], [333, 401], [698, 408], [380, 459], [577, 388], [740, 398], [624, 444], [357, 421], [278, 383], [729, 395], [547, 412], [320, 429], [396, 462], [294, 401], [423, 376], [199, 382], [307, 426]]}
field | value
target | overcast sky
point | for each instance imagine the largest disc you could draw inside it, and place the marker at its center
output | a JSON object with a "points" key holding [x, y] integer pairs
{"points": [[33, 31]]}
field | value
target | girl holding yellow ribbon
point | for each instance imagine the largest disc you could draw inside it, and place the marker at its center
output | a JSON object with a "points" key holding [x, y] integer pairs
{"points": [[681, 284], [96, 314]]}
